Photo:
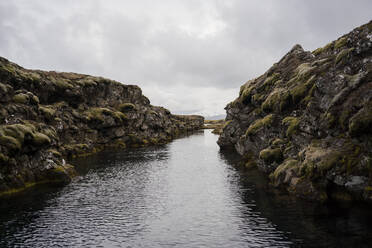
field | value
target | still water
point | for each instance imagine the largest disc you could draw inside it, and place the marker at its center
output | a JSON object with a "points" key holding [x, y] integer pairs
{"points": [[183, 194]]}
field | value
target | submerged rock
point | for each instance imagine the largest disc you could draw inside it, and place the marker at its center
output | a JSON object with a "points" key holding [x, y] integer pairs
{"points": [[46, 117], [307, 121]]}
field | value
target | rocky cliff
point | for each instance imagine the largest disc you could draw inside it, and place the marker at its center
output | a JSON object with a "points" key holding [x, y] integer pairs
{"points": [[307, 121], [46, 117]]}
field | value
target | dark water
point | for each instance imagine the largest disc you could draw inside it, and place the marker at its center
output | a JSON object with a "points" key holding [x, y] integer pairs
{"points": [[184, 194]]}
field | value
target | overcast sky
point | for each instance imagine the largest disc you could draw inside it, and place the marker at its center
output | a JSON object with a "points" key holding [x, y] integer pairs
{"points": [[189, 56]]}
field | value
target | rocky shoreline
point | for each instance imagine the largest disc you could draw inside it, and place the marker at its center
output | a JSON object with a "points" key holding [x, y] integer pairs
{"points": [[307, 121], [216, 125], [47, 117]]}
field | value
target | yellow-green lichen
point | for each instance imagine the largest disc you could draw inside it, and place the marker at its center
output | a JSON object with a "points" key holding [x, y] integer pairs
{"points": [[258, 124]]}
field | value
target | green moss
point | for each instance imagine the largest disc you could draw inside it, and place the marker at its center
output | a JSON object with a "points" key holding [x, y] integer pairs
{"points": [[119, 116], [40, 139], [292, 123], [278, 99], [14, 135], [330, 119], [270, 81], [343, 55], [8, 67], [98, 114], [55, 152], [329, 161], [368, 189], [246, 92], [47, 112], [59, 169], [318, 51], [21, 98], [303, 71], [320, 160], [86, 82], [3, 158], [278, 142], [258, 124], [3, 88], [343, 117], [62, 84], [50, 132], [77, 150], [125, 107], [10, 142], [326, 48], [282, 168], [271, 155], [258, 98], [301, 90], [361, 122], [19, 130], [340, 42]]}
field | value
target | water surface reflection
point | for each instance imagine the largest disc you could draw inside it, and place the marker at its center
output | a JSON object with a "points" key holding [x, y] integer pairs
{"points": [[183, 194]]}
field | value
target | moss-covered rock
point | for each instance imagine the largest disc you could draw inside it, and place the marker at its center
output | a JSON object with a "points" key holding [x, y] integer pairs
{"points": [[361, 122], [282, 174], [40, 139], [21, 98], [46, 117], [324, 101], [48, 112], [278, 100], [343, 55], [292, 123], [271, 155], [125, 107], [258, 124]]}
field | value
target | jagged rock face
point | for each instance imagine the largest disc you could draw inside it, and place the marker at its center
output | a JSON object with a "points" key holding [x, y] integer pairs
{"points": [[307, 122], [48, 116]]}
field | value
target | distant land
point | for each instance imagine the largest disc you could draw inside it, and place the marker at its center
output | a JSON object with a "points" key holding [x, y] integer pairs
{"points": [[215, 117]]}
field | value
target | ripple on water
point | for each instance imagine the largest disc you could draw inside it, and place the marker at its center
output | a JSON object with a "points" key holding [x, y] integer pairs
{"points": [[184, 194]]}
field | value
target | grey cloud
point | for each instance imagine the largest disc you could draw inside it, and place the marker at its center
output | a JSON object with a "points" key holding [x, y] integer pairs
{"points": [[189, 56]]}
